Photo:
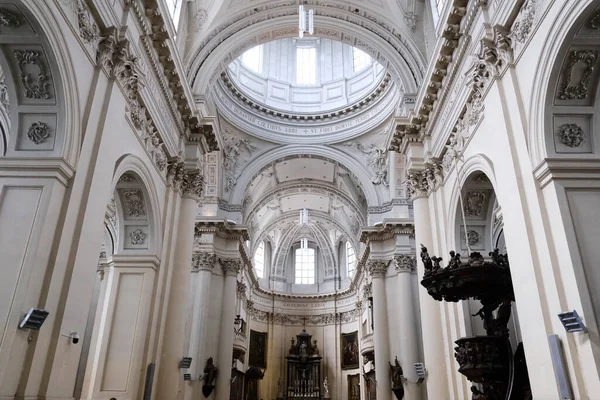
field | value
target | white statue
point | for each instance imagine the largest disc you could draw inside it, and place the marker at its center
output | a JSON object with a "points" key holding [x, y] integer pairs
{"points": [[326, 387]]}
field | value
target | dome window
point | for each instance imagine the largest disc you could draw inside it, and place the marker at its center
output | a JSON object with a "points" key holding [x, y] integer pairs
{"points": [[350, 259], [304, 264], [361, 59], [259, 261], [306, 65], [253, 59]]}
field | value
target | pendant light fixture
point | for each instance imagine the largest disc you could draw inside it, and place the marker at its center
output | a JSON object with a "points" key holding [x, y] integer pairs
{"points": [[306, 22], [304, 216]]}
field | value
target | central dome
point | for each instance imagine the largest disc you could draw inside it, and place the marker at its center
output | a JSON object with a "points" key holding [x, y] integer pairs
{"points": [[306, 75]]}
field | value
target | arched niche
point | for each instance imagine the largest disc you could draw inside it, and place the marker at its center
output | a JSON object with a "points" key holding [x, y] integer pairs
{"points": [[39, 117]]}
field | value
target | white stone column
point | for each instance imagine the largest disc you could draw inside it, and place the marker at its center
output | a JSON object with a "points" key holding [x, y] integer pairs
{"points": [[408, 330], [170, 377], [431, 320], [203, 263], [231, 268], [381, 341]]}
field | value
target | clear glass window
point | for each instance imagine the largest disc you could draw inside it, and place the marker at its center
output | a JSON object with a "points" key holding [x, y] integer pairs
{"points": [[361, 59], [306, 65], [174, 7], [259, 260], [253, 59], [305, 266], [439, 4], [351, 259]]}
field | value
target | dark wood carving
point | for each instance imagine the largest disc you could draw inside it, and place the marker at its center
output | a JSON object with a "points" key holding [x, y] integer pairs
{"points": [[304, 368], [484, 360]]}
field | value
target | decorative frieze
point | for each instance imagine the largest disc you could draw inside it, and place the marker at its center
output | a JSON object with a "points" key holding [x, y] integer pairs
{"points": [[524, 22], [231, 266], [38, 132], [137, 237], [301, 319], [578, 87], [88, 30], [571, 135], [9, 19], [203, 260], [377, 268], [34, 88]]}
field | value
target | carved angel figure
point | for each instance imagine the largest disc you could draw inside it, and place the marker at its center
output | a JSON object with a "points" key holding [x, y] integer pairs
{"points": [[377, 158]]}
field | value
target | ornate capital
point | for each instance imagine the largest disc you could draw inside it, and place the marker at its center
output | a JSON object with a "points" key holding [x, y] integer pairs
{"points": [[434, 175], [241, 290], [192, 184], [416, 184], [405, 262], [231, 266], [367, 290], [175, 173], [202, 260], [377, 268]]}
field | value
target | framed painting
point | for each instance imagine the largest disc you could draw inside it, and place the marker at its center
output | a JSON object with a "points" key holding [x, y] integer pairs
{"points": [[258, 349], [349, 343], [354, 387]]}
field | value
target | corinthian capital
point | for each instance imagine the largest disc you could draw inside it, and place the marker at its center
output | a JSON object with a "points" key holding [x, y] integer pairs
{"points": [[416, 184], [192, 184], [231, 266], [175, 173], [377, 268], [405, 262], [202, 260]]}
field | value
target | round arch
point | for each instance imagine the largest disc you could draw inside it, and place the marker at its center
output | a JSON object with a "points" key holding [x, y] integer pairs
{"points": [[132, 165], [351, 164], [472, 165], [61, 116], [397, 54], [547, 72]]}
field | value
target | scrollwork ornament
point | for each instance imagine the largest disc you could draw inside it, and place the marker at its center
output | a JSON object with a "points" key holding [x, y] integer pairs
{"points": [[4, 100], [571, 135], [8, 19], [203, 260], [230, 266], [524, 23], [571, 91], [473, 237], [38, 89], [135, 203], [38, 132], [595, 21]]}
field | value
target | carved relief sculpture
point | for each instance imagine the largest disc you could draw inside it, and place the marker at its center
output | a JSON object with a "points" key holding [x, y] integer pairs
{"points": [[135, 202], [570, 88], [524, 22], [38, 132], [475, 201], [571, 135], [232, 150], [137, 236], [87, 26], [34, 88], [8, 19], [377, 158], [203, 260], [473, 237]]}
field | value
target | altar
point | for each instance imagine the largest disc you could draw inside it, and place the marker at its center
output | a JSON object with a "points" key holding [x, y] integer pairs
{"points": [[303, 369]]}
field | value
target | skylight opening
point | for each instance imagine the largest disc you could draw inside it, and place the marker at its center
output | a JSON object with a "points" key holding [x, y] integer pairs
{"points": [[306, 65], [253, 59], [174, 7], [361, 59]]}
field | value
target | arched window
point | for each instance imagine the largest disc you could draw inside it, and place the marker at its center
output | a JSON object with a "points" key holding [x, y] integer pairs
{"points": [[361, 59], [174, 9], [259, 260], [306, 65], [304, 265], [350, 259], [253, 59]]}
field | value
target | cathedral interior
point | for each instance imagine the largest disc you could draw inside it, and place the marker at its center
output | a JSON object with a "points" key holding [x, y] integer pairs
{"points": [[299, 199]]}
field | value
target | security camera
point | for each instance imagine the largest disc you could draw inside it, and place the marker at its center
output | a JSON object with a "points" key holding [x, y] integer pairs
{"points": [[74, 336]]}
